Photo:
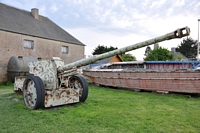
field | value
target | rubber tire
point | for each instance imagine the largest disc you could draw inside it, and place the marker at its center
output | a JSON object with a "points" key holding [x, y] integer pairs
{"points": [[42, 92], [84, 84], [39, 90]]}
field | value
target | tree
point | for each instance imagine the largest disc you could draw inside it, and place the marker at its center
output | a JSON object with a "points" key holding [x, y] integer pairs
{"points": [[128, 57], [188, 47], [179, 56], [100, 49], [159, 54]]}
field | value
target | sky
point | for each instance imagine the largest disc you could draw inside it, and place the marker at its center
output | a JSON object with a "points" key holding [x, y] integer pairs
{"points": [[118, 23]]}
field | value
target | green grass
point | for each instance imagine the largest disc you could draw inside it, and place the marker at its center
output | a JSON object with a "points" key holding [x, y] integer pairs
{"points": [[105, 110]]}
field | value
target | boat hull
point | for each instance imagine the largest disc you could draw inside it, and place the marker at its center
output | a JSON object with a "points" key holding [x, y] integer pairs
{"points": [[182, 81]]}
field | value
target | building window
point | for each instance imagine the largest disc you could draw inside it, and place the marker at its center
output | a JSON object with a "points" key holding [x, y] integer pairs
{"points": [[28, 44], [65, 49]]}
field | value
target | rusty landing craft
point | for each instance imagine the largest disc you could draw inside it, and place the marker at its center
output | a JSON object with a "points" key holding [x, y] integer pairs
{"points": [[158, 76]]}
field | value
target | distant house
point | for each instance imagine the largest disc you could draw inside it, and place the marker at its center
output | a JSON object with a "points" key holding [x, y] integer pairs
{"points": [[112, 59], [24, 33], [177, 54]]}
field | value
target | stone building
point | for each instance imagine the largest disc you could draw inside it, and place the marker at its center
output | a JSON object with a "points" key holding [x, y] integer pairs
{"points": [[24, 33]]}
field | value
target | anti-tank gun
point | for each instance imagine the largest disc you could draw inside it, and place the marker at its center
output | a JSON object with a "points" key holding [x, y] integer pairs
{"points": [[52, 83]]}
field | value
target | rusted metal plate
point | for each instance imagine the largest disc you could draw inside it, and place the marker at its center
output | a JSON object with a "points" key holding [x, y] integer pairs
{"points": [[18, 85], [61, 96], [169, 66]]}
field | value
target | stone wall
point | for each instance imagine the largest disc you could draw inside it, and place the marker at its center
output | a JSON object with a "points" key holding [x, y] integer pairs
{"points": [[11, 44]]}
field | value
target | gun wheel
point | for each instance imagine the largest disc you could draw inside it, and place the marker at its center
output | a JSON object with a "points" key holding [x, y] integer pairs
{"points": [[79, 82], [33, 92]]}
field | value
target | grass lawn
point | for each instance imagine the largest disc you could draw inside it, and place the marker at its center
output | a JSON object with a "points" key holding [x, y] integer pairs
{"points": [[105, 110]]}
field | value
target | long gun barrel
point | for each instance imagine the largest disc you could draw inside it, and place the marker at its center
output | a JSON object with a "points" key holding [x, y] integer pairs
{"points": [[179, 33]]}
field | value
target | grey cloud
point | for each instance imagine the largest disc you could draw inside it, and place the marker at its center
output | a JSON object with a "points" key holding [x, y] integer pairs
{"points": [[113, 15]]}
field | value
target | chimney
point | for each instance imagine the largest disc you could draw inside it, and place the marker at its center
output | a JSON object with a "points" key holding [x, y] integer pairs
{"points": [[173, 49], [35, 13], [156, 46]]}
